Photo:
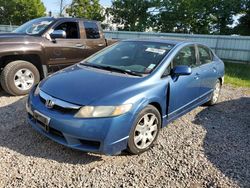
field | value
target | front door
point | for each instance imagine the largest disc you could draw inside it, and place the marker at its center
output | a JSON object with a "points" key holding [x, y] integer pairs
{"points": [[185, 90], [69, 50]]}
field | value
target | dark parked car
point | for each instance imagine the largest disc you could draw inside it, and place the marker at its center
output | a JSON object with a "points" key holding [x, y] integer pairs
{"points": [[122, 96], [45, 45]]}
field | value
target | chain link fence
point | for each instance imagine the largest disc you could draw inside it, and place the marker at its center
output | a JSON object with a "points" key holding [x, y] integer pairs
{"points": [[231, 48], [7, 28]]}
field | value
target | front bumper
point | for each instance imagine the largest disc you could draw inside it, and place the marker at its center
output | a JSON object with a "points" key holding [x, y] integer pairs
{"points": [[99, 135]]}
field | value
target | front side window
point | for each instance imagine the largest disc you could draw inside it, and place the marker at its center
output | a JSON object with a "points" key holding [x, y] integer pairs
{"points": [[91, 30], [137, 56], [186, 56], [71, 29], [205, 55]]}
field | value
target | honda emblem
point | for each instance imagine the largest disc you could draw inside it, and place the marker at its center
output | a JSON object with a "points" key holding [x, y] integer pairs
{"points": [[49, 103]]}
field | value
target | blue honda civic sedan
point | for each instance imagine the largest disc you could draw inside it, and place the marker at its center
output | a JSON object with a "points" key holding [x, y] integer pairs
{"points": [[119, 98]]}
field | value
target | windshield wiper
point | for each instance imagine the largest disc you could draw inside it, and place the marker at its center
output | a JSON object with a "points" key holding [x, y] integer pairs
{"points": [[109, 68], [92, 65], [121, 71]]}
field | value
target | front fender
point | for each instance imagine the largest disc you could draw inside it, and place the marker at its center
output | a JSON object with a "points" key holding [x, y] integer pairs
{"points": [[17, 49]]}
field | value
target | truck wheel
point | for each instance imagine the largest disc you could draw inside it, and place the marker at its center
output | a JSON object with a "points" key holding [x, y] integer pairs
{"points": [[18, 77], [145, 130]]}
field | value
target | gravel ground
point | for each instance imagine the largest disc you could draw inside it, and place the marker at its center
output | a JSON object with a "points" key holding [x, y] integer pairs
{"points": [[208, 147]]}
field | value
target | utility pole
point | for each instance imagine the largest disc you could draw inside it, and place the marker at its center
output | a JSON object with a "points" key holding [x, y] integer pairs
{"points": [[61, 8]]}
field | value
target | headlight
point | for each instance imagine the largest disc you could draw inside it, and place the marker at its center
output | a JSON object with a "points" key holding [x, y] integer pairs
{"points": [[102, 111], [37, 90]]}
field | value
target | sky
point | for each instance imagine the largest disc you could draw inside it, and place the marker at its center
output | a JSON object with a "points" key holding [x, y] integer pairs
{"points": [[54, 5]]}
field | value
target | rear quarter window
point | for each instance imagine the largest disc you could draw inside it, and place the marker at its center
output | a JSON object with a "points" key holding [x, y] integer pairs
{"points": [[205, 54], [91, 30]]}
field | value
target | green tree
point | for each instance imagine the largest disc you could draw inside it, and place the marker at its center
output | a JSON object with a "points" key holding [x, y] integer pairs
{"points": [[196, 16], [183, 16], [133, 14], [89, 9], [244, 25], [16, 12], [223, 12], [243, 28]]}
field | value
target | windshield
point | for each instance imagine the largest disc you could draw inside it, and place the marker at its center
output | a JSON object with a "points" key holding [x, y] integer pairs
{"points": [[135, 56], [34, 27]]}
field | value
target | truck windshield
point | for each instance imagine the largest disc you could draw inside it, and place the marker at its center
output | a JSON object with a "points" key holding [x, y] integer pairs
{"points": [[135, 56], [34, 27]]}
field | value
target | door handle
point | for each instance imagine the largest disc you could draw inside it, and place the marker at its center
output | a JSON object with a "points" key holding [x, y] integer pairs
{"points": [[79, 45], [100, 45], [214, 69], [197, 76]]}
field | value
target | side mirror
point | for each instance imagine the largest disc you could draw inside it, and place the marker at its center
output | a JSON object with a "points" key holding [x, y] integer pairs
{"points": [[181, 70], [58, 34]]}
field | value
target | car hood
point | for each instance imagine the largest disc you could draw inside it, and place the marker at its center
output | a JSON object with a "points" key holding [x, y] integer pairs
{"points": [[16, 37], [84, 85]]}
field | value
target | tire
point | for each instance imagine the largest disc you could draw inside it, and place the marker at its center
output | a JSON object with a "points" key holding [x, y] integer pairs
{"points": [[18, 77], [145, 133], [215, 95]]}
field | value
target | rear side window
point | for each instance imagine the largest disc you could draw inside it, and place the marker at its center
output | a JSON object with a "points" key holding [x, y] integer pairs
{"points": [[92, 30], [186, 56], [205, 55]]}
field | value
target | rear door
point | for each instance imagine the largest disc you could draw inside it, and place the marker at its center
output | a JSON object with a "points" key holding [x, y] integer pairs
{"points": [[208, 70], [184, 92], [94, 38]]}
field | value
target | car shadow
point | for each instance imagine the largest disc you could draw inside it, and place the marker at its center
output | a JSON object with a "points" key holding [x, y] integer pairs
{"points": [[17, 135], [227, 141]]}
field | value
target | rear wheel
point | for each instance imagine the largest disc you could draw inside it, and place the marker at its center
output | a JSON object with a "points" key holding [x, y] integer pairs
{"points": [[215, 95], [18, 77], [145, 130]]}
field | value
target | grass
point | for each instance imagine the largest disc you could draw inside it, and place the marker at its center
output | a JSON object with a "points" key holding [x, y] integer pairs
{"points": [[237, 74]]}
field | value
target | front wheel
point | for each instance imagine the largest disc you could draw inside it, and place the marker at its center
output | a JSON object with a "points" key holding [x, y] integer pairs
{"points": [[145, 130], [18, 77]]}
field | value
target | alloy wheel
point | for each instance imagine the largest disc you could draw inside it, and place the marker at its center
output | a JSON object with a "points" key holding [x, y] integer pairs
{"points": [[216, 92], [146, 131], [24, 79]]}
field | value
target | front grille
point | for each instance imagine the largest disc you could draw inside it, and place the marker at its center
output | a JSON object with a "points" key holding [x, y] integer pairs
{"points": [[59, 108], [59, 105], [65, 110], [42, 99]]}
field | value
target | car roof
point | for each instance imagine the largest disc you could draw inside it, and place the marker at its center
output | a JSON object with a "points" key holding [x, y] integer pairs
{"points": [[70, 19], [166, 40]]}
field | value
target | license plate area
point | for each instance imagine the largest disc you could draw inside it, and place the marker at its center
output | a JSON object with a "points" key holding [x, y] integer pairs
{"points": [[42, 120]]}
